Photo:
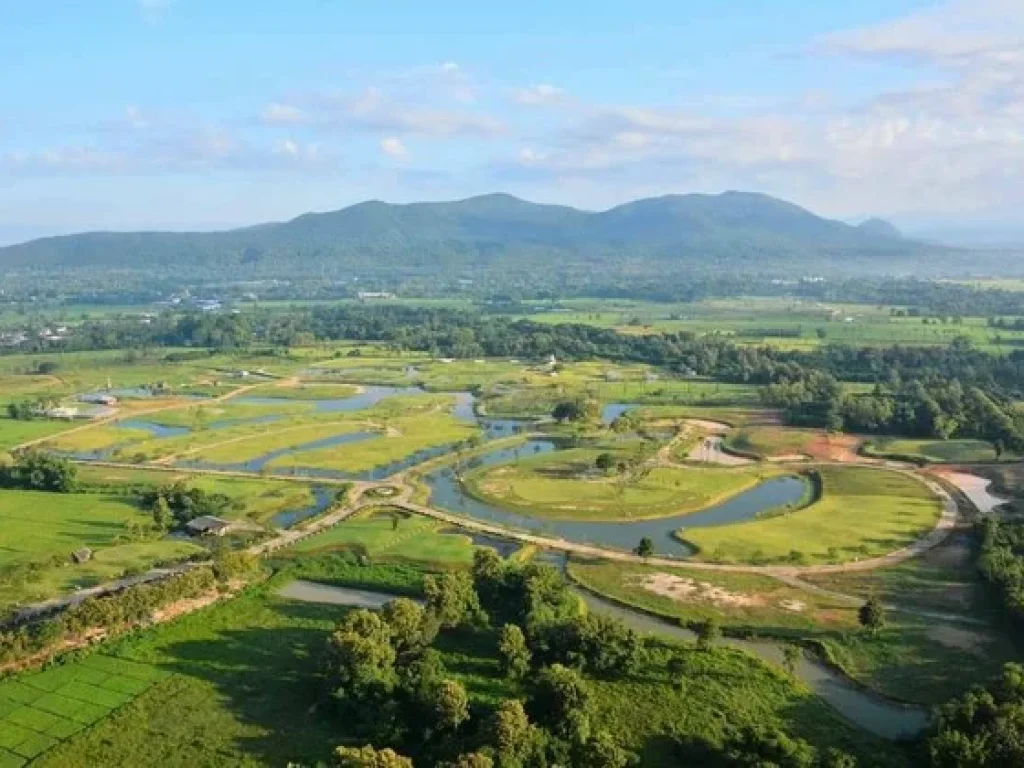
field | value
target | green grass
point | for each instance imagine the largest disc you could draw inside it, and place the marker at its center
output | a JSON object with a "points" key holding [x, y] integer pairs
{"points": [[244, 692], [739, 601], [244, 443], [107, 564], [375, 534], [198, 417], [14, 433], [96, 439], [565, 485], [862, 513], [937, 451], [307, 391], [404, 436], [38, 525], [771, 441], [255, 498]]}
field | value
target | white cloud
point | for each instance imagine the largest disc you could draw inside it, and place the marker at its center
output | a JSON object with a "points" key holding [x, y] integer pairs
{"points": [[392, 146], [541, 94], [283, 114]]}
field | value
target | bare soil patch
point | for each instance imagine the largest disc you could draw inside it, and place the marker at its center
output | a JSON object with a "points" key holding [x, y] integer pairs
{"points": [[684, 590]]}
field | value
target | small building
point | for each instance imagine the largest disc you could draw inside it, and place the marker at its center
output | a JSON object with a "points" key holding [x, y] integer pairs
{"points": [[83, 555], [207, 525]]}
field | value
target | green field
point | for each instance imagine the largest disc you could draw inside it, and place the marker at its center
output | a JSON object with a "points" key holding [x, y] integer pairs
{"points": [[936, 451], [96, 438], [403, 437], [862, 513], [243, 692], [256, 499], [39, 711], [782, 322], [740, 601], [390, 535], [767, 442], [107, 564], [307, 391], [38, 525], [41, 530], [200, 416], [14, 433], [566, 485]]}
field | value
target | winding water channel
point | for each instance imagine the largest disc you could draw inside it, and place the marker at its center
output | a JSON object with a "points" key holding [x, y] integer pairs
{"points": [[870, 712], [446, 492]]}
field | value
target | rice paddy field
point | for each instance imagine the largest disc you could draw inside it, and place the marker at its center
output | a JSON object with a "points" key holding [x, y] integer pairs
{"points": [[862, 512], [39, 711]]}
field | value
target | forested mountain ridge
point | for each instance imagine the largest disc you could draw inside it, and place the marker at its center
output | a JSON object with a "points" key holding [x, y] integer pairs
{"points": [[735, 230]]}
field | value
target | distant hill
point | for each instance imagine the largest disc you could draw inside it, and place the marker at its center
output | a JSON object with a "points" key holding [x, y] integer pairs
{"points": [[733, 230], [880, 227]]}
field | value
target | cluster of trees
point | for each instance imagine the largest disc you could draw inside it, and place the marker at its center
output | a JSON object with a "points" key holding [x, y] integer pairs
{"points": [[1001, 563], [936, 408], [175, 504], [385, 676], [28, 410], [113, 613], [983, 728], [33, 470]]}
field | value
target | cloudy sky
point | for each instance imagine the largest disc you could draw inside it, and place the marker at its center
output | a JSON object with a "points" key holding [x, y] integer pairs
{"points": [[207, 113]]}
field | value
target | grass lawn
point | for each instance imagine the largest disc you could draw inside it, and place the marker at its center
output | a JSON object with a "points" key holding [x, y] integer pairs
{"points": [[771, 441], [391, 535], [14, 432], [862, 513], [939, 451], [38, 525], [404, 436], [565, 485], [244, 692], [740, 601]]}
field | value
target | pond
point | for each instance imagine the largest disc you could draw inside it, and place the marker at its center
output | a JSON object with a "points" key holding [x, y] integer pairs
{"points": [[447, 492], [870, 712]]}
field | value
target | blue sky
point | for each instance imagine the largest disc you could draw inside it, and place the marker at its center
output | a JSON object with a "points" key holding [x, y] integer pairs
{"points": [[127, 114]]}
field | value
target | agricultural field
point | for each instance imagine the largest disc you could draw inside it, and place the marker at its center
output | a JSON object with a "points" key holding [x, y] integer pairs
{"points": [[862, 512], [38, 525], [567, 485], [934, 451], [39, 711], [97, 438], [782, 322]]}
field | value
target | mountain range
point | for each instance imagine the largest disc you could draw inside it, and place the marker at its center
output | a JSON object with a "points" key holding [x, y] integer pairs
{"points": [[733, 230]]}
